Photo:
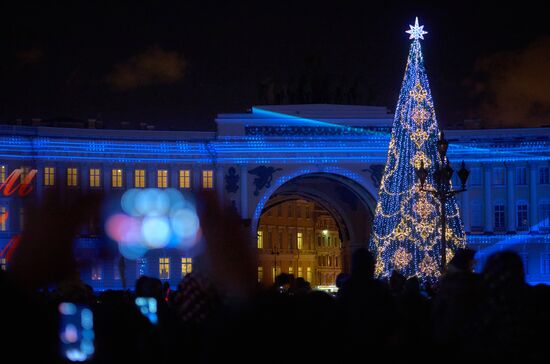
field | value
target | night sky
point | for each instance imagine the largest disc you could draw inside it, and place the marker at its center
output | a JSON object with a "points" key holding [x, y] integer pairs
{"points": [[177, 65]]}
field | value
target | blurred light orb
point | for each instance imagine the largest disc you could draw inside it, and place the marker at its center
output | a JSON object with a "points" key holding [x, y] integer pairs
{"points": [[152, 202], [128, 202], [123, 228], [185, 223], [132, 251], [156, 231]]}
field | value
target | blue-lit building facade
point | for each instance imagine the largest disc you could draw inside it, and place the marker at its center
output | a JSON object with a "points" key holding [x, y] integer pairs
{"points": [[332, 154]]}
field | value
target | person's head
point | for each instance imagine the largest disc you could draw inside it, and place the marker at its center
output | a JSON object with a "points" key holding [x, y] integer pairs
{"points": [[504, 270], [412, 285], [362, 264], [341, 279], [463, 261], [397, 281]]}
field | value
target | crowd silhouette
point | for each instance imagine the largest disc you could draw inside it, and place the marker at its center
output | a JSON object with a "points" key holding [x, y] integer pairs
{"points": [[219, 313]]}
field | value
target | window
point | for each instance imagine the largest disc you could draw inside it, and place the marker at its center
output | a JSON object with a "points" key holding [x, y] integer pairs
{"points": [[476, 216], [116, 178], [290, 269], [300, 273], [270, 241], [3, 263], [260, 274], [164, 268], [309, 276], [499, 217], [3, 218], [95, 177], [185, 178], [279, 210], [499, 176], [186, 266], [521, 176], [290, 211], [290, 240], [3, 173], [525, 261], [72, 177], [544, 176], [307, 213], [97, 272], [139, 178], [49, 176], [545, 215], [208, 179], [545, 269], [299, 240], [298, 211], [260, 239], [275, 271], [24, 172], [522, 221], [162, 178], [475, 176]]}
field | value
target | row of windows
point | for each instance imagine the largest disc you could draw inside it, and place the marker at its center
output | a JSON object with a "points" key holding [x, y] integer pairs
{"points": [[164, 269], [499, 176], [293, 211], [275, 271], [298, 243], [522, 216], [117, 178], [327, 261]]}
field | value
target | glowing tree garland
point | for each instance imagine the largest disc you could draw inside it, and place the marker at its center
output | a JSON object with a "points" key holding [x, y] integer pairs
{"points": [[406, 233]]}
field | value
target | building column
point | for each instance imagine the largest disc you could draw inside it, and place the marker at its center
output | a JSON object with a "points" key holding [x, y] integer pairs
{"points": [[510, 200], [219, 186], [466, 210], [106, 175], [173, 176], [196, 177], [150, 176], [85, 177], [488, 203], [39, 180], [244, 191], [129, 176], [533, 218]]}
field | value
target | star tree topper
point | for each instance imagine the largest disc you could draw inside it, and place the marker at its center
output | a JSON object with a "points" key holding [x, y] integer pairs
{"points": [[416, 31]]}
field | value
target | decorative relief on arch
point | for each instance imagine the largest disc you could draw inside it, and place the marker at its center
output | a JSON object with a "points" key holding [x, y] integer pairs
{"points": [[232, 180], [264, 176], [376, 172]]}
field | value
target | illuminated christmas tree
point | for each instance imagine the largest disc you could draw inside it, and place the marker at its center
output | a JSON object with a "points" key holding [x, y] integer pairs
{"points": [[406, 233]]}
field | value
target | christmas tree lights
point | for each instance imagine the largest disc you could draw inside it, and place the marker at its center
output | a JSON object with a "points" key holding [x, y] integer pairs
{"points": [[406, 233]]}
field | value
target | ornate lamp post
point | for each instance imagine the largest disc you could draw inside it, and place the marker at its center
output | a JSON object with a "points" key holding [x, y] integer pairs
{"points": [[442, 192]]}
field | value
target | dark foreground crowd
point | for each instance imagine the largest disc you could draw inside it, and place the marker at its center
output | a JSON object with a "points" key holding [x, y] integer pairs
{"points": [[218, 314]]}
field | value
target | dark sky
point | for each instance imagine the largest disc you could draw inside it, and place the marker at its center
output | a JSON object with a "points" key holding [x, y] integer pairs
{"points": [[179, 64]]}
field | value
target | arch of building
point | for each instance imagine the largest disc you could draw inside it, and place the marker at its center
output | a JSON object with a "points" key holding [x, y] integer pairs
{"points": [[347, 197]]}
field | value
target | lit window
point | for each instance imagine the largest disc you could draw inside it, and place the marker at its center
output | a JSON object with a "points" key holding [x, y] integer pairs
{"points": [[299, 240], [97, 272], [499, 217], [185, 178], [49, 176], [164, 268], [521, 176], [3, 263], [275, 271], [499, 176], [24, 172], [522, 216], [139, 178], [186, 266], [208, 179], [162, 178], [3, 172], [544, 175], [3, 218], [300, 273], [72, 177], [260, 239], [290, 270], [95, 177], [116, 178], [309, 275], [260, 274]]}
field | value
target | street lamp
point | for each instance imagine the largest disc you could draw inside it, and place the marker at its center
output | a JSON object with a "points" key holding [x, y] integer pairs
{"points": [[442, 192]]}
